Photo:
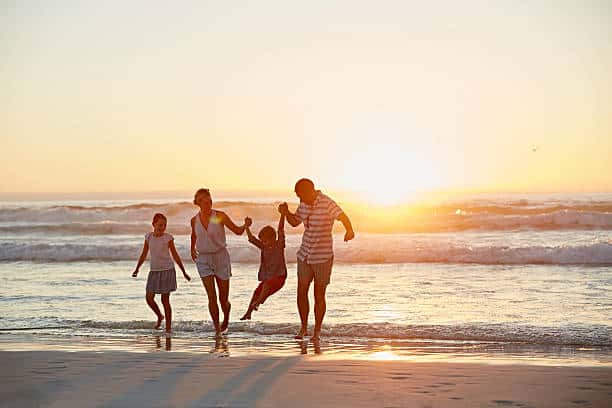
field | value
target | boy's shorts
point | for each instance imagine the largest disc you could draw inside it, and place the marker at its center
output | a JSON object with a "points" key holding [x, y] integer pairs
{"points": [[321, 272], [275, 284], [217, 264]]}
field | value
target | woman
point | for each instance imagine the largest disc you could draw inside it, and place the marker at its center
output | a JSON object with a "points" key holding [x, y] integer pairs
{"points": [[209, 252]]}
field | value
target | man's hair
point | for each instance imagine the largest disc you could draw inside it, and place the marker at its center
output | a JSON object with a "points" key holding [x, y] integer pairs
{"points": [[159, 216], [200, 191], [267, 231], [304, 182]]}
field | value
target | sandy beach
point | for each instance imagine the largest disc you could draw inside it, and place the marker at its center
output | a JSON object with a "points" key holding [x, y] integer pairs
{"points": [[128, 379]]}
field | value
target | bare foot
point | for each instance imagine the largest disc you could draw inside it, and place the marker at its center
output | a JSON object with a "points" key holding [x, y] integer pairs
{"points": [[300, 335], [226, 317], [159, 322], [218, 334], [316, 338], [247, 316]]}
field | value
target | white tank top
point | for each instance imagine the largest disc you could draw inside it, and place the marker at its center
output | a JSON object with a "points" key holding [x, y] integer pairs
{"points": [[211, 240], [160, 252]]}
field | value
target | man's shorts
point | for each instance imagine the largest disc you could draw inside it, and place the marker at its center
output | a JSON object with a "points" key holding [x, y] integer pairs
{"points": [[320, 272]]}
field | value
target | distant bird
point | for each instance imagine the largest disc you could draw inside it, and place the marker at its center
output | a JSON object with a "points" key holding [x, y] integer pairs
{"points": [[535, 149]]}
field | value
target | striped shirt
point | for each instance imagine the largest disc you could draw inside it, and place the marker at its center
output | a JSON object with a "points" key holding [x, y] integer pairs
{"points": [[317, 242]]}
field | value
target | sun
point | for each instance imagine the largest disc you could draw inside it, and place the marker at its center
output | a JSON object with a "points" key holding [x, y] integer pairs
{"points": [[388, 174]]}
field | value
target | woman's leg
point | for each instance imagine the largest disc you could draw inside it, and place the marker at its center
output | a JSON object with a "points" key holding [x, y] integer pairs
{"points": [[165, 298], [151, 302], [213, 308], [224, 286]]}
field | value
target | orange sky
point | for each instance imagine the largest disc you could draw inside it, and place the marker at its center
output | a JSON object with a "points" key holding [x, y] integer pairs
{"points": [[386, 98]]}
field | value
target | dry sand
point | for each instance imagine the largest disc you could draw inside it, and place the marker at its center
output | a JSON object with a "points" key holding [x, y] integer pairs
{"points": [[128, 379]]}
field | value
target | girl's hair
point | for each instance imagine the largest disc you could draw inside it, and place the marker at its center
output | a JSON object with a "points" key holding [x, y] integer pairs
{"points": [[200, 191], [159, 216], [267, 231]]}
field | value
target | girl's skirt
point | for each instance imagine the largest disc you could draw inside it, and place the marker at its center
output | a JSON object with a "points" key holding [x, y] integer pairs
{"points": [[161, 281]]}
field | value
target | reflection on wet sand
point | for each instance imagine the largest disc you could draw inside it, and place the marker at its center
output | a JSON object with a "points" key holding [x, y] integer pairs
{"points": [[221, 347], [303, 345], [167, 343]]}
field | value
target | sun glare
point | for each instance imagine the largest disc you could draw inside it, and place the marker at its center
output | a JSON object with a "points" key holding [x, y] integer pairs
{"points": [[388, 175]]}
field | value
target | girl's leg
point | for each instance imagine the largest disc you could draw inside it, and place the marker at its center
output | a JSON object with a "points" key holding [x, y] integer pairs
{"points": [[165, 298], [213, 308], [224, 286], [151, 302]]}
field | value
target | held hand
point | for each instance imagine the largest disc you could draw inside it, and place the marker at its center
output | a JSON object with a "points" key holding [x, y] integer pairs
{"points": [[248, 222], [194, 255], [349, 235], [135, 273], [283, 208], [187, 277]]}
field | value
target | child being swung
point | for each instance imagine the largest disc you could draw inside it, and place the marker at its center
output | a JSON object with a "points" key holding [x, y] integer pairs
{"points": [[272, 269]]}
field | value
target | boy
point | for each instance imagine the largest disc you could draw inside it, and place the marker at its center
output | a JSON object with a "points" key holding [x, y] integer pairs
{"points": [[272, 269]]}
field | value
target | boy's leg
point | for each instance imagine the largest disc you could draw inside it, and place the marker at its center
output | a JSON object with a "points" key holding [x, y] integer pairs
{"points": [[263, 295], [254, 297], [165, 297], [150, 297], [224, 286], [213, 307]]}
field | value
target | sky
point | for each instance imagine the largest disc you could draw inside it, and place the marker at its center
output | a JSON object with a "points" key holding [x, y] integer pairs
{"points": [[381, 97]]}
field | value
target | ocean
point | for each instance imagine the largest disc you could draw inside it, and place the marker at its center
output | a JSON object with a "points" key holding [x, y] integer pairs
{"points": [[496, 276]]}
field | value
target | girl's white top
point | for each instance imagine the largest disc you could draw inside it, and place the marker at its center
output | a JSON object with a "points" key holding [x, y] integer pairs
{"points": [[160, 252], [212, 239]]}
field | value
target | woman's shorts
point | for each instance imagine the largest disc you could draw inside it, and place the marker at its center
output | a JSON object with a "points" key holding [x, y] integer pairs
{"points": [[162, 281], [275, 284], [215, 264]]}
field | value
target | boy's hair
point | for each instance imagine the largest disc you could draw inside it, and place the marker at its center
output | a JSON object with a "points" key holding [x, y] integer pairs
{"points": [[267, 231], [159, 216], [200, 191]]}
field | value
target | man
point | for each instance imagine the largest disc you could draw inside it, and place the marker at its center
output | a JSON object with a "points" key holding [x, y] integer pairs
{"points": [[316, 254]]}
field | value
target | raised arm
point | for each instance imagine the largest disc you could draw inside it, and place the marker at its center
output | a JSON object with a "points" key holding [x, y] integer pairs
{"points": [[292, 219], [281, 230], [252, 238], [141, 259], [177, 259], [227, 221]]}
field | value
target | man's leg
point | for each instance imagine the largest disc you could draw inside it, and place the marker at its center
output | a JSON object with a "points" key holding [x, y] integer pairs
{"points": [[319, 308], [305, 275], [322, 275]]}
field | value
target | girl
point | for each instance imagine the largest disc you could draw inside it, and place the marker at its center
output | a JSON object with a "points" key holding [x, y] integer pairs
{"points": [[209, 252], [162, 277]]}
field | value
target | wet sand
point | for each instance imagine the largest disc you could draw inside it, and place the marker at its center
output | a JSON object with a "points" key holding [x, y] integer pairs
{"points": [[128, 379]]}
